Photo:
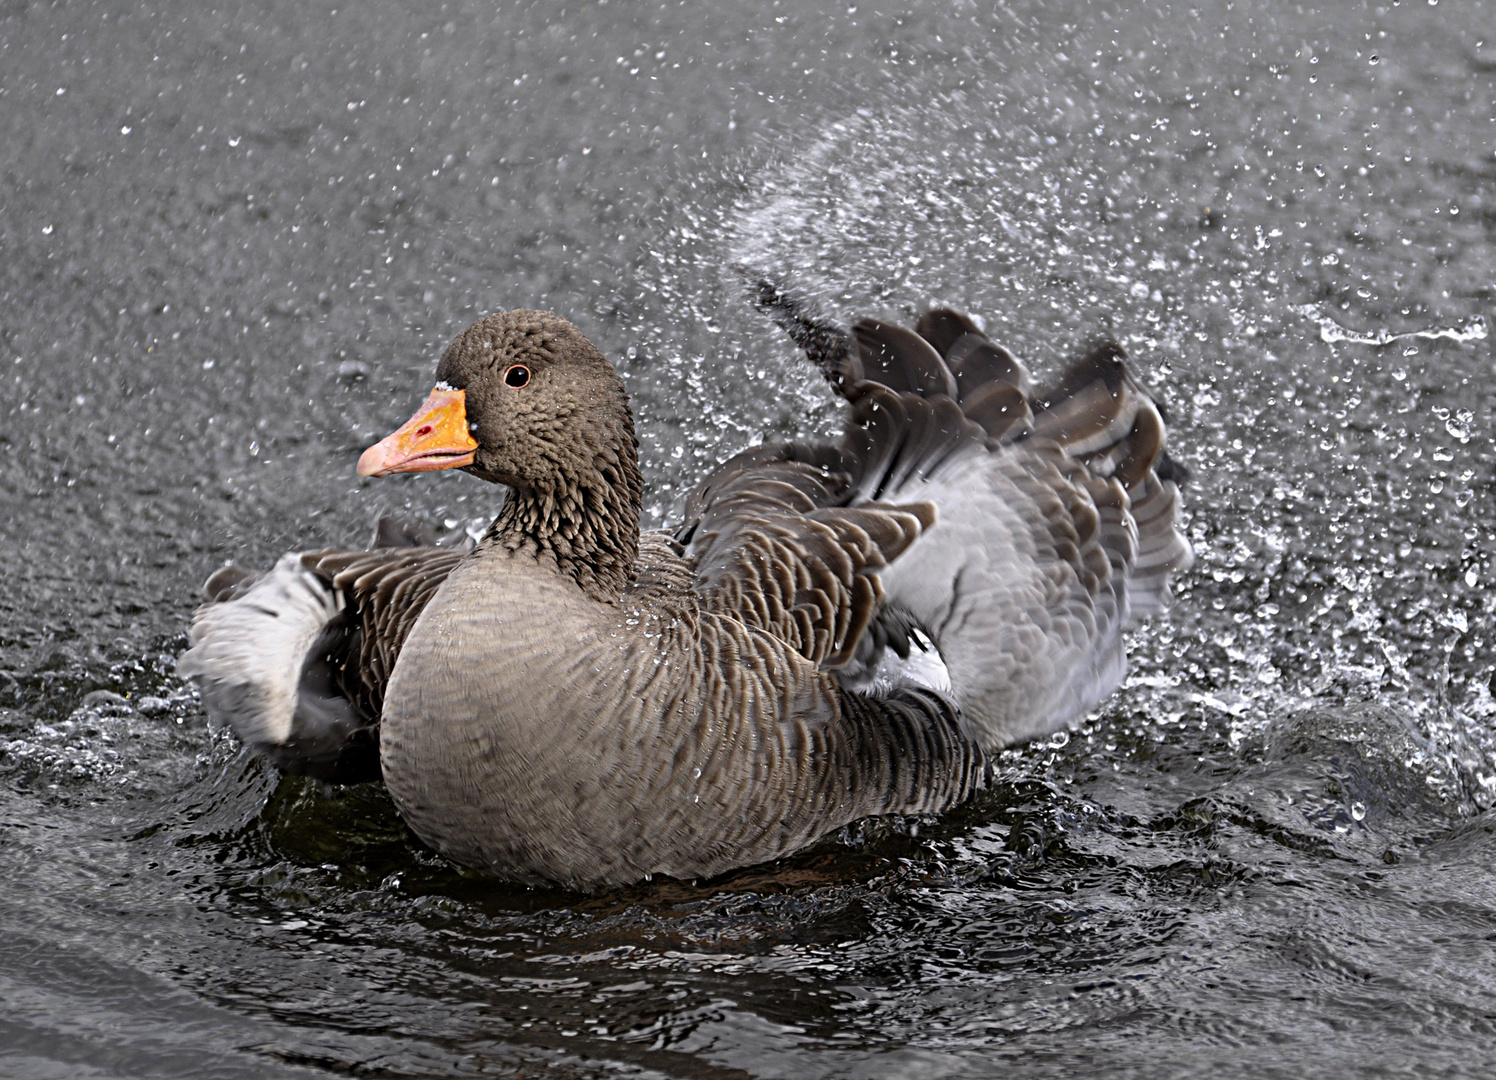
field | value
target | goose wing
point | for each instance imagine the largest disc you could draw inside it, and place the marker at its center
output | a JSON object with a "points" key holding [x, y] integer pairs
{"points": [[774, 543], [1054, 521], [297, 659], [385, 591]]}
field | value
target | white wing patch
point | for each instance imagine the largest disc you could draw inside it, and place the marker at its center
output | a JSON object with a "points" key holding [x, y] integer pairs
{"points": [[923, 669], [248, 654]]}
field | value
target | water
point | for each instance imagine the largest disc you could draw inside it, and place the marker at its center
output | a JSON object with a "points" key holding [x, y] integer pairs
{"points": [[235, 243]]}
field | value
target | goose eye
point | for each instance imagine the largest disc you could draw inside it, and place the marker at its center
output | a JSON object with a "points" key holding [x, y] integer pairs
{"points": [[516, 375]]}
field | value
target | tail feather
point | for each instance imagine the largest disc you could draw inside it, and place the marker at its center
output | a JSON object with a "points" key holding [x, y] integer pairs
{"points": [[1093, 406], [942, 328], [227, 582], [1102, 417], [1162, 549], [972, 357], [895, 437], [901, 360], [978, 363], [1002, 410]]}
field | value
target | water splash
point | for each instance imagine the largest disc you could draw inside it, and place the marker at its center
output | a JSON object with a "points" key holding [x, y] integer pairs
{"points": [[1472, 329], [870, 189]]}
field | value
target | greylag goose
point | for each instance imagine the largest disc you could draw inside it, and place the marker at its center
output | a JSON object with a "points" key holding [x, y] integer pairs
{"points": [[576, 703]]}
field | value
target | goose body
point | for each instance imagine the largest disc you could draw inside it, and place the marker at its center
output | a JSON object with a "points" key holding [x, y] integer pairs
{"points": [[835, 631]]}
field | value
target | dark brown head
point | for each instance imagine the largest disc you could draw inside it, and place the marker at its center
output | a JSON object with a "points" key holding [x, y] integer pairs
{"points": [[522, 398]]}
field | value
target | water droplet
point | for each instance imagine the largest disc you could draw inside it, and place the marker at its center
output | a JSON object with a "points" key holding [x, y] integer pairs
{"points": [[1059, 739], [1358, 811], [1472, 577]]}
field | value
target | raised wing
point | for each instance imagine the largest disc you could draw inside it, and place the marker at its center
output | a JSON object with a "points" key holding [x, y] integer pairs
{"points": [[1042, 523]]}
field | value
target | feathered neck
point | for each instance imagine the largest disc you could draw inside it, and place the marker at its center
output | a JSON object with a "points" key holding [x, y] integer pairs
{"points": [[585, 516]]}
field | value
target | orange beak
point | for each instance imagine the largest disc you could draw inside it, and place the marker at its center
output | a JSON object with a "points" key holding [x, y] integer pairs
{"points": [[436, 437]]}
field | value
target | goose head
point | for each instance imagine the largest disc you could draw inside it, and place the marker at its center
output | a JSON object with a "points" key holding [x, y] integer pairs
{"points": [[522, 398]]}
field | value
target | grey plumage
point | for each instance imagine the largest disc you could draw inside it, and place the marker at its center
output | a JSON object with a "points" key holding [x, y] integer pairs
{"points": [[575, 703]]}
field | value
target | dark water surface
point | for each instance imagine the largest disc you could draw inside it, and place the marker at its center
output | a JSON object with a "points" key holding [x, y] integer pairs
{"points": [[232, 243]]}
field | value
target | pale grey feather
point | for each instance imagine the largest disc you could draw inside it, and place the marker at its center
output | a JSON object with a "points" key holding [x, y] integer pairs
{"points": [[257, 657]]}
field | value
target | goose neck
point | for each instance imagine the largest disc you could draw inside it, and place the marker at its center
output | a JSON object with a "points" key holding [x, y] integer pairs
{"points": [[587, 522]]}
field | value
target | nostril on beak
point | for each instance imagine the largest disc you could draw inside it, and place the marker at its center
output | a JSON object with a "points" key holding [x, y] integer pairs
{"points": [[426, 430]]}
